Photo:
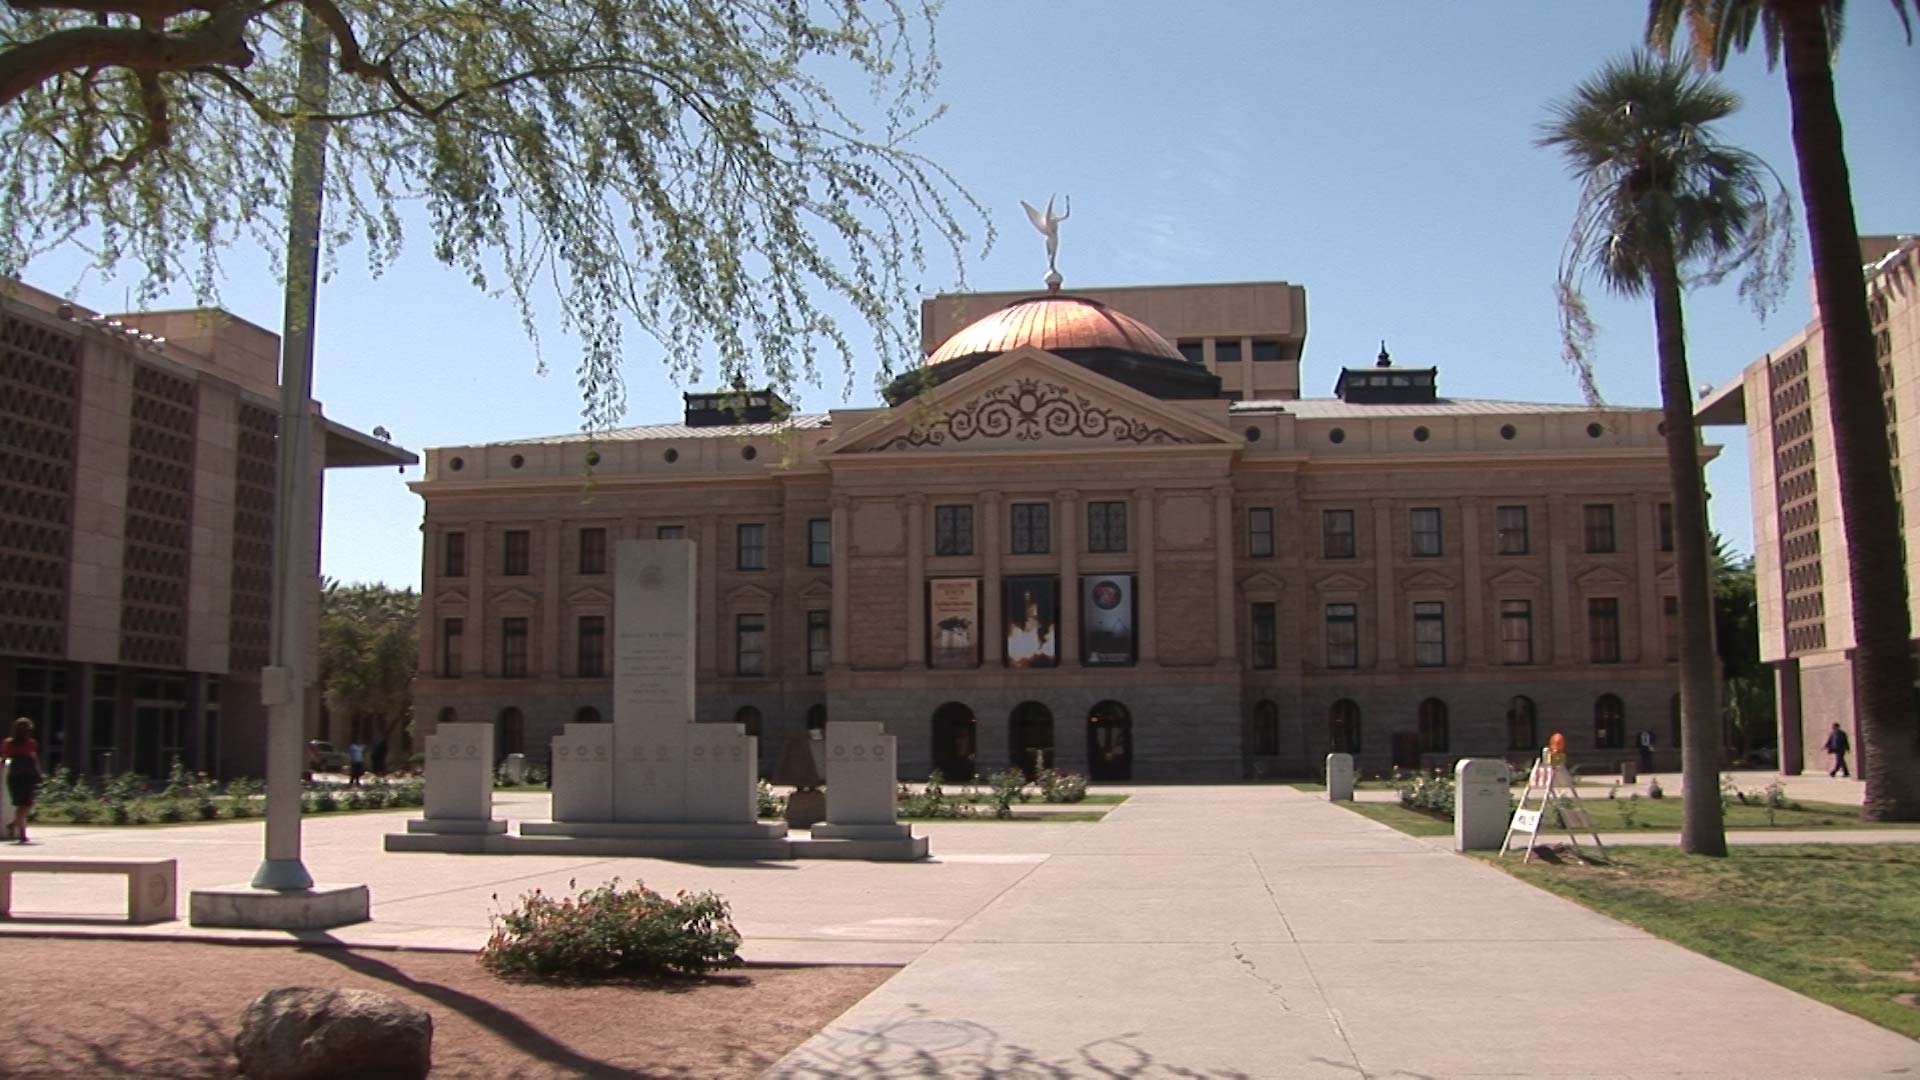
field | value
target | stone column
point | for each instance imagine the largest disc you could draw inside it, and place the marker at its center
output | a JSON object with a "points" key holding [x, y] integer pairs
{"points": [[1386, 600], [473, 645], [709, 616], [915, 507], [1646, 539], [837, 627], [992, 629], [550, 636], [431, 541], [1472, 588], [1149, 599], [1560, 530], [1227, 646], [1066, 506]]}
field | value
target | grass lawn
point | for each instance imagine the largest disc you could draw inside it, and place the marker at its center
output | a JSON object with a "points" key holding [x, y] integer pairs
{"points": [[1839, 923], [1648, 815], [1407, 821], [1358, 785]]}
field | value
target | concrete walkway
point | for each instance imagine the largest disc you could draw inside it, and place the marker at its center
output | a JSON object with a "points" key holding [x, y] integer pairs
{"points": [[1240, 931]]}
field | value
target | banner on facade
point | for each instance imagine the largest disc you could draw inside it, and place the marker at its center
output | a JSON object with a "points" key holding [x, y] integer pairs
{"points": [[953, 623], [1032, 613], [1107, 619]]}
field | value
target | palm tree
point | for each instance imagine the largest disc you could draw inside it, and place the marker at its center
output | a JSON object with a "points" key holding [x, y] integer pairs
{"points": [[1659, 193], [1806, 32]]}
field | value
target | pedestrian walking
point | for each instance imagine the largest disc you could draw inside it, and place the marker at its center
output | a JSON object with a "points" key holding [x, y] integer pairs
{"points": [[1838, 745], [23, 775], [356, 762], [1645, 744]]}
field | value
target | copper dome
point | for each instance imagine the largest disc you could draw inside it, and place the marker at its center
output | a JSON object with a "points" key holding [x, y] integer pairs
{"points": [[1054, 323]]}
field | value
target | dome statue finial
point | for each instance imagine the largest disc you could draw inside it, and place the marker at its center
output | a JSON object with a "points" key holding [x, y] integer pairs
{"points": [[1049, 225]]}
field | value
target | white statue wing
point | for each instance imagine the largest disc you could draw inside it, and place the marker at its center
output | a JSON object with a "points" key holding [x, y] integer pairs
{"points": [[1039, 219]]}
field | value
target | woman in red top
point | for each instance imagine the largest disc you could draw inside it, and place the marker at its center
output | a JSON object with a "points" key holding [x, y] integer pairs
{"points": [[23, 773]]}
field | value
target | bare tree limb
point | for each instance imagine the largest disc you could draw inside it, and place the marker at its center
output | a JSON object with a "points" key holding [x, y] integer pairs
{"points": [[219, 40]]}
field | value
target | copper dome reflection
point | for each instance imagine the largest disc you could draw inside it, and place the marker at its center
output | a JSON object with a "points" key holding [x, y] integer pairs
{"points": [[1054, 323]]}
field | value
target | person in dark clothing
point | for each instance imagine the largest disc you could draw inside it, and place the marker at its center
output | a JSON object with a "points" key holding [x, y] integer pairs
{"points": [[380, 756], [1644, 743], [1837, 744], [23, 774]]}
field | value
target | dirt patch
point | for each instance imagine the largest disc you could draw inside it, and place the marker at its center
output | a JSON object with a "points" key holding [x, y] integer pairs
{"points": [[164, 1009]]}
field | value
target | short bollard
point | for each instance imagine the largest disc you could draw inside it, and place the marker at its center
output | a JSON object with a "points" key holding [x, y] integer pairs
{"points": [[1340, 777], [1480, 793]]}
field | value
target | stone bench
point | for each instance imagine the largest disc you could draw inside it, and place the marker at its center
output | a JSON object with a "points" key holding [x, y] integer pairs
{"points": [[150, 882]]}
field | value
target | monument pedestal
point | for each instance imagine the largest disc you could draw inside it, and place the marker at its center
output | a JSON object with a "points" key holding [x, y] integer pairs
{"points": [[322, 907]]}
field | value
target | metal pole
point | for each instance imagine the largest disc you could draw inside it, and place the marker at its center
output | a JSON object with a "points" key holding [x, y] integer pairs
{"points": [[295, 558]]}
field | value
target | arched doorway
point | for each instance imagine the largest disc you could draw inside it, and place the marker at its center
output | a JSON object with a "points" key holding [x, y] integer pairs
{"points": [[1264, 738], [1343, 727], [1609, 723], [954, 749], [509, 733], [448, 715], [748, 717], [817, 721], [1109, 742], [1030, 729], [1434, 737], [586, 714]]}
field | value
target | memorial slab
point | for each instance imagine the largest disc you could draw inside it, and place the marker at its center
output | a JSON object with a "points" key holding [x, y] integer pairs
{"points": [[1340, 777], [583, 773], [861, 803], [1480, 804], [459, 782]]}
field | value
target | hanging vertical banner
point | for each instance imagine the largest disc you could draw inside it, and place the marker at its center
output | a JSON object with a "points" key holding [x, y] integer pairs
{"points": [[1032, 611], [1106, 619], [953, 623]]}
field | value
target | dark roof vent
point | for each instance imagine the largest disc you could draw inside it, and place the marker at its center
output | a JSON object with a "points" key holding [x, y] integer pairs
{"points": [[1384, 384], [738, 406]]}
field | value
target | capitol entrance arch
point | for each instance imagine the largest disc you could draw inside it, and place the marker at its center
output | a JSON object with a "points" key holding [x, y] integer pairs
{"points": [[1109, 742]]}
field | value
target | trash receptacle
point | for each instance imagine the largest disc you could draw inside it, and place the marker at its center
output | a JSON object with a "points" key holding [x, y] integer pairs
{"points": [[1629, 772]]}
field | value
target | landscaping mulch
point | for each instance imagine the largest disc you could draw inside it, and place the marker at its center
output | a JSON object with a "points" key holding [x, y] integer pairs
{"points": [[169, 1010]]}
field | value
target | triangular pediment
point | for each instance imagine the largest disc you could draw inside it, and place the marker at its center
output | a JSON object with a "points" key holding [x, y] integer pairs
{"points": [[748, 594], [589, 594], [1601, 577], [1515, 579], [1428, 579], [451, 596], [1261, 582], [513, 596], [1340, 583], [1668, 576], [817, 589], [1030, 399]]}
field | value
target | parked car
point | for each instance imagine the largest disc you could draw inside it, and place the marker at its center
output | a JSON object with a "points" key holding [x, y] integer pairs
{"points": [[322, 757]]}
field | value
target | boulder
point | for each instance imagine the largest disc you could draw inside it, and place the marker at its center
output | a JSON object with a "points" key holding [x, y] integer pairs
{"points": [[306, 1033]]}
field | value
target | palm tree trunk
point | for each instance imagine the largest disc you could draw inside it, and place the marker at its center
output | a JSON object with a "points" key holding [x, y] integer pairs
{"points": [[1883, 666], [1703, 830]]}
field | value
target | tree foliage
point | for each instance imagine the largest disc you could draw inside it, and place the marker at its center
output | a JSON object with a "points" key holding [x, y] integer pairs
{"points": [[369, 650], [721, 173]]}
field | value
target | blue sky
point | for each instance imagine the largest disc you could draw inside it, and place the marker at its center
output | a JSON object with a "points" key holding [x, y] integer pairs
{"points": [[1379, 154]]}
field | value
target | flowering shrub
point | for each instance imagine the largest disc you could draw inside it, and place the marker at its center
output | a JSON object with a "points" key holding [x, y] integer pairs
{"points": [[1061, 787], [1006, 786], [1429, 795], [932, 801], [611, 932]]}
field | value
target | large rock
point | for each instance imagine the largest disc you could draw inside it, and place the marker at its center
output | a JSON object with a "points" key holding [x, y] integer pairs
{"points": [[305, 1033]]}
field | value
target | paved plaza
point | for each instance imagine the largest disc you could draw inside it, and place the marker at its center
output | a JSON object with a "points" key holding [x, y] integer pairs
{"points": [[1197, 932]]}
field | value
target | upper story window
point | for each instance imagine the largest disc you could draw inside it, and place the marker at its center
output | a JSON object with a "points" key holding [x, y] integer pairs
{"points": [[1260, 532], [513, 648], [591, 659], [452, 647], [1343, 635], [1516, 631], [1194, 350], [516, 552], [1666, 526], [593, 551], [819, 641], [1336, 534], [1268, 349], [1423, 527], [1030, 528], [750, 644], [1603, 630], [953, 530], [670, 532], [453, 556], [750, 551], [1599, 528], [1429, 635], [1510, 530], [1226, 350], [819, 542], [1265, 637], [1106, 526]]}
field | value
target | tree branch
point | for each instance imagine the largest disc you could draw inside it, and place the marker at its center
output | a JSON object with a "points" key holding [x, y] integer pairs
{"points": [[145, 9], [216, 41]]}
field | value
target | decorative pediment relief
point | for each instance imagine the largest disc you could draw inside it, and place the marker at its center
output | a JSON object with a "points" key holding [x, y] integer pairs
{"points": [[513, 596], [453, 597], [1669, 576], [1029, 410], [1339, 583], [817, 589], [589, 594], [1260, 582], [1515, 579], [1427, 580], [1601, 577], [748, 595]]}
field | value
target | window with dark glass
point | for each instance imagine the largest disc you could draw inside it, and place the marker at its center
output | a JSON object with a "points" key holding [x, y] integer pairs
{"points": [[1106, 526], [1030, 529], [670, 532], [1336, 534], [1510, 530], [1265, 741], [1603, 630], [1260, 532], [1670, 625], [953, 530], [1522, 724], [1343, 635], [453, 558], [1609, 723], [1268, 349], [1599, 528], [819, 642], [1423, 528], [1192, 350], [820, 542], [593, 551], [1666, 526], [591, 663], [750, 550], [1430, 634], [750, 644], [1343, 727], [1226, 350], [1434, 736], [1265, 637], [515, 554], [513, 648], [452, 651], [1516, 631]]}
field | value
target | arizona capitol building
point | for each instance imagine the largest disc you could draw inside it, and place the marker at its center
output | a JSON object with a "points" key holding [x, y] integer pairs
{"points": [[1102, 525]]}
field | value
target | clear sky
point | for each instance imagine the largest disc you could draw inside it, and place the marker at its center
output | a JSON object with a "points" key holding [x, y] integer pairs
{"points": [[1380, 154]]}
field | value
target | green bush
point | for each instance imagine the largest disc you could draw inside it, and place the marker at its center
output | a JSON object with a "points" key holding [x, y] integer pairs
{"points": [[1006, 786], [769, 805], [1430, 795], [932, 801], [611, 932], [1059, 787]]}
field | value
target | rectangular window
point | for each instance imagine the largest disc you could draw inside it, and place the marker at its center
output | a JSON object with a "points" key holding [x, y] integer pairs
{"points": [[1268, 350], [750, 547], [1336, 534], [1423, 528], [953, 530], [592, 658], [1516, 631], [1265, 637], [1260, 533], [750, 644], [515, 555], [1106, 526], [1599, 528], [1429, 635], [670, 532], [1510, 530], [453, 559], [819, 542], [1603, 630], [452, 650], [819, 642], [1670, 624], [1343, 636], [513, 648], [593, 551], [1030, 530], [1666, 526]]}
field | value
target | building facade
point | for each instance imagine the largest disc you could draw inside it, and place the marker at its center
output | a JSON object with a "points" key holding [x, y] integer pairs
{"points": [[1065, 533], [1799, 538], [137, 482]]}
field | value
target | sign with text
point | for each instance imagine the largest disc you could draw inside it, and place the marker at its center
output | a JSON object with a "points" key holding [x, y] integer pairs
{"points": [[953, 623], [1032, 613], [1107, 619]]}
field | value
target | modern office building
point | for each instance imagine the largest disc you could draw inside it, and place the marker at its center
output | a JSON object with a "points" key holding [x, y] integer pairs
{"points": [[1102, 525], [1799, 540], [137, 490]]}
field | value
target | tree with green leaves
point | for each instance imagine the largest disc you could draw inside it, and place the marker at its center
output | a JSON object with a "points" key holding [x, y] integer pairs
{"points": [[721, 173], [369, 650], [1746, 680], [1661, 197], [1805, 33]]}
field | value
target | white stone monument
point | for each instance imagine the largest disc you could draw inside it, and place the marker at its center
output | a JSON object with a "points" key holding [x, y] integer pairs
{"points": [[459, 796], [862, 774], [583, 773], [1340, 777], [1480, 804]]}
